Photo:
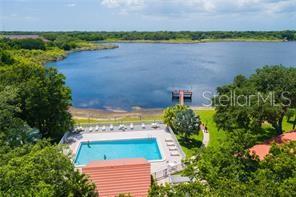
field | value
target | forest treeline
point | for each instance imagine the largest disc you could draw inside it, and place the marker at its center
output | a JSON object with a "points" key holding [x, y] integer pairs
{"points": [[168, 35], [34, 103]]}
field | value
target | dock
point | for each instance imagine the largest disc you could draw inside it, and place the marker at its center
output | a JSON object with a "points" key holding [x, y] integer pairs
{"points": [[182, 95]]}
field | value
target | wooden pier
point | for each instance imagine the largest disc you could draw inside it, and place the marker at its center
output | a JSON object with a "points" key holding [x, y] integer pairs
{"points": [[182, 95]]}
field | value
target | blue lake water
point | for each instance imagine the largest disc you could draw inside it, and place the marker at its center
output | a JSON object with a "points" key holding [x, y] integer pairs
{"points": [[117, 149], [143, 75]]}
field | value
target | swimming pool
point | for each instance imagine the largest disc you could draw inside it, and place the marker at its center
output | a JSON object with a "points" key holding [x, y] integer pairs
{"points": [[117, 149]]}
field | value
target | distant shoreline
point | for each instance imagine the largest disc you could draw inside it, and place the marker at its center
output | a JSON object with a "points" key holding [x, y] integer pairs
{"points": [[188, 41], [98, 47]]}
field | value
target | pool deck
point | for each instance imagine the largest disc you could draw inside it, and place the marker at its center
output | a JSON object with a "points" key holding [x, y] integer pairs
{"points": [[159, 168]]}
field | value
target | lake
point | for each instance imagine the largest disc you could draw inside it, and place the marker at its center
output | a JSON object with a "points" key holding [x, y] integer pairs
{"points": [[143, 75]]}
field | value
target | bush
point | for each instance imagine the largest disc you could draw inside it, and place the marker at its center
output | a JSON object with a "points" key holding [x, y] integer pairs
{"points": [[186, 122], [170, 114], [30, 44]]}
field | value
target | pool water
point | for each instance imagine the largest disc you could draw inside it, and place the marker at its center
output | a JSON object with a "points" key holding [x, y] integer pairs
{"points": [[117, 149]]}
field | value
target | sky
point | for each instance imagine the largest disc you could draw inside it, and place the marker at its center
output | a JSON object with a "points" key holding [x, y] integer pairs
{"points": [[147, 15]]}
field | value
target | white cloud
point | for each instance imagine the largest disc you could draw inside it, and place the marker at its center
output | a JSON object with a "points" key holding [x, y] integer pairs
{"points": [[185, 7], [124, 4]]}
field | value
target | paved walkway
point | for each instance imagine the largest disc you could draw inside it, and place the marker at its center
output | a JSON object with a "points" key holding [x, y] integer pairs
{"points": [[206, 136]]}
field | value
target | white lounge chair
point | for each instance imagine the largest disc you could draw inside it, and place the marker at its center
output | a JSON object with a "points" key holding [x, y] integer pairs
{"points": [[132, 126], [169, 140], [97, 128], [154, 125], [175, 153], [111, 127], [104, 128], [170, 144], [90, 129], [173, 148], [143, 126]]}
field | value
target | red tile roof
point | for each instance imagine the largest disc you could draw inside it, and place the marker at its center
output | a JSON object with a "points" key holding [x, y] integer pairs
{"points": [[123, 176], [263, 149]]}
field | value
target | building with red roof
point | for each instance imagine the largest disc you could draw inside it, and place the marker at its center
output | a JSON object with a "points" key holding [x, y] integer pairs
{"points": [[261, 150], [123, 176]]}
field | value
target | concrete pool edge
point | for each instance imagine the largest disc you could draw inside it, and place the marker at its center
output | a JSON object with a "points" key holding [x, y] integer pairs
{"points": [[159, 146]]}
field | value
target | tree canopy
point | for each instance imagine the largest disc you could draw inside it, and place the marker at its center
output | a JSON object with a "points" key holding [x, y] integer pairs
{"points": [[264, 96], [40, 93], [41, 170], [229, 170], [186, 122], [170, 113], [34, 102], [172, 35]]}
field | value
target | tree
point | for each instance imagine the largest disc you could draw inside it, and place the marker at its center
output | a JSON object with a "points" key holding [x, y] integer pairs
{"points": [[42, 97], [5, 58], [186, 123], [30, 44], [41, 170], [193, 189], [229, 170], [13, 130], [248, 102], [170, 114]]}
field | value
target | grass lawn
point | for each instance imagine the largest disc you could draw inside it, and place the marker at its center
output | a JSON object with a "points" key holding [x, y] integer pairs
{"points": [[287, 126], [268, 131], [146, 118], [190, 145], [207, 117]]}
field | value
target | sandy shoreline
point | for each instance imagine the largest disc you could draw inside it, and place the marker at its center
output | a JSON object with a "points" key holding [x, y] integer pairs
{"points": [[100, 114]]}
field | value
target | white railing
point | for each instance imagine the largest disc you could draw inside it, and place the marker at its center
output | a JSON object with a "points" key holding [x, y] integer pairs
{"points": [[164, 173], [66, 135]]}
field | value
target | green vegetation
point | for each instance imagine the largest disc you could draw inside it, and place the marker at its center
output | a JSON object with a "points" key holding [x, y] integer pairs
{"points": [[226, 167], [35, 86], [34, 104], [30, 44], [41, 170], [207, 118], [182, 120], [186, 123], [264, 97], [229, 170], [169, 114], [190, 145], [68, 40], [290, 114]]}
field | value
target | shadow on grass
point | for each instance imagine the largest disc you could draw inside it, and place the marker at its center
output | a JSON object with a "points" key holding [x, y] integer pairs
{"points": [[190, 143], [292, 122]]}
